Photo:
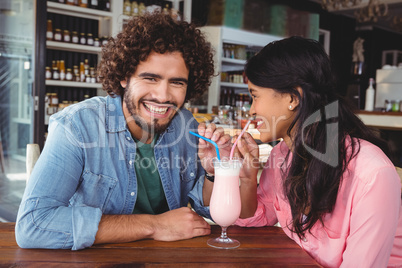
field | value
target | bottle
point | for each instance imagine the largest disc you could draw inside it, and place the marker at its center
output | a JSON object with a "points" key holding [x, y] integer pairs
{"points": [[127, 8], [49, 30], [94, 4], [82, 72], [57, 35], [74, 37], [62, 70], [66, 36], [90, 39], [86, 66], [55, 74], [83, 39], [69, 75], [83, 3], [142, 9], [48, 73], [134, 9], [71, 2], [370, 92], [166, 9], [96, 42]]}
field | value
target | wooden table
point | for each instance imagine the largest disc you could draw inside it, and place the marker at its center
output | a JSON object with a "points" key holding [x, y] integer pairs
{"points": [[267, 246]]}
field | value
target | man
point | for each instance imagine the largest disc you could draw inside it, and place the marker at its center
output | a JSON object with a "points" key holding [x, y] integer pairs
{"points": [[123, 167]]}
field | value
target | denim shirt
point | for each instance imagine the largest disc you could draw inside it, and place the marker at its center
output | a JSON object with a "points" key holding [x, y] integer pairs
{"points": [[86, 169]]}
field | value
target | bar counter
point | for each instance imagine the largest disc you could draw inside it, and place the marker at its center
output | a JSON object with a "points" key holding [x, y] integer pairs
{"points": [[266, 246]]}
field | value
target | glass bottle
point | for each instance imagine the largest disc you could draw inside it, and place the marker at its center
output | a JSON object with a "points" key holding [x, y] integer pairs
{"points": [[49, 30], [66, 36], [82, 72], [74, 37], [57, 35], [96, 42], [127, 8], [86, 67], [83, 3], [104, 40], [94, 4], [76, 71], [90, 39], [134, 9], [48, 73], [69, 75], [370, 93], [142, 9], [62, 70], [55, 74], [83, 39]]}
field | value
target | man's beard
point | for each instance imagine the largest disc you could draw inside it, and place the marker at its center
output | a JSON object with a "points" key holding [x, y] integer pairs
{"points": [[151, 127]]}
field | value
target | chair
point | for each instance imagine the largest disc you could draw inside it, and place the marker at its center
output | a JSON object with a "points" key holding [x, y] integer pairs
{"points": [[33, 152]]}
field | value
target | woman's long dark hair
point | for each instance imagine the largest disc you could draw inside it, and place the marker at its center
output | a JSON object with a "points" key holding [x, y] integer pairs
{"points": [[311, 183]]}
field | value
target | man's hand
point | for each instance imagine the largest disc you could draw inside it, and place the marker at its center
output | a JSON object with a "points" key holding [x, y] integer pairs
{"points": [[206, 150], [178, 224]]}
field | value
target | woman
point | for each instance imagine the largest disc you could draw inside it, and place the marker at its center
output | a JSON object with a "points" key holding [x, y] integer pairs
{"points": [[333, 191]]}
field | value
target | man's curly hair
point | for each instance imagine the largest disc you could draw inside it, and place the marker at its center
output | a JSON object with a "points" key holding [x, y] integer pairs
{"points": [[159, 33]]}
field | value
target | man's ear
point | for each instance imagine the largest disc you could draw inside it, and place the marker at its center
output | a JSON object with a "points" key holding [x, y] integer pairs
{"points": [[123, 83]]}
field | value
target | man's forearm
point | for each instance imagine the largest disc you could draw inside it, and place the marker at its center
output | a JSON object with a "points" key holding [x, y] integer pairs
{"points": [[177, 224], [124, 228]]}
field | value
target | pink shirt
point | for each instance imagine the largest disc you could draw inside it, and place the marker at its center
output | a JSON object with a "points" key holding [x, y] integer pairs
{"points": [[365, 227]]}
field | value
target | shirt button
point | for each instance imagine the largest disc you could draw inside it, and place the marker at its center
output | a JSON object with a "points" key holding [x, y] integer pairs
{"points": [[192, 174], [128, 138], [130, 162], [304, 239], [132, 193]]}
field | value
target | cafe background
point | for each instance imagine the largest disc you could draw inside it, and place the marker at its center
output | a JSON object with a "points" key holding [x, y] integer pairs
{"points": [[49, 51]]}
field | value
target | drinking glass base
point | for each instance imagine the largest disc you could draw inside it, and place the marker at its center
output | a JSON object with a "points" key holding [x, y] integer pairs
{"points": [[223, 243]]}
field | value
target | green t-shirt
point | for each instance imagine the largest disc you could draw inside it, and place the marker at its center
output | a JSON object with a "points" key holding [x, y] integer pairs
{"points": [[151, 198]]}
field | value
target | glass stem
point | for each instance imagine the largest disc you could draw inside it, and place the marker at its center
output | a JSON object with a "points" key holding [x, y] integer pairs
{"points": [[224, 234]]}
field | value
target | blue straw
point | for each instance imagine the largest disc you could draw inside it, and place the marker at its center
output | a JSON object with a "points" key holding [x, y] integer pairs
{"points": [[208, 140]]}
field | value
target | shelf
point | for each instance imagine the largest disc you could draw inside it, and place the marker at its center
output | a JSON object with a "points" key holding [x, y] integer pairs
{"points": [[73, 47], [234, 85], [22, 121], [388, 120], [82, 12], [72, 84], [242, 37], [233, 61]]}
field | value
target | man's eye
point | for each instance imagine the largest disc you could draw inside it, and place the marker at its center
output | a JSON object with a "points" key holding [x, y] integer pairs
{"points": [[150, 79], [177, 83]]}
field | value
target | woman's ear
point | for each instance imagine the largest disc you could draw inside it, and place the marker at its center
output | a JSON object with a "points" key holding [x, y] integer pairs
{"points": [[295, 100], [123, 83]]}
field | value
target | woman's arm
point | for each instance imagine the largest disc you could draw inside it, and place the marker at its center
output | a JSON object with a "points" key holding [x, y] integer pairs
{"points": [[248, 148], [374, 220]]}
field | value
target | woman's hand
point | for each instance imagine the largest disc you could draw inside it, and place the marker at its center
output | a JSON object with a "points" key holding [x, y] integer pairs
{"points": [[247, 149], [206, 150]]}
